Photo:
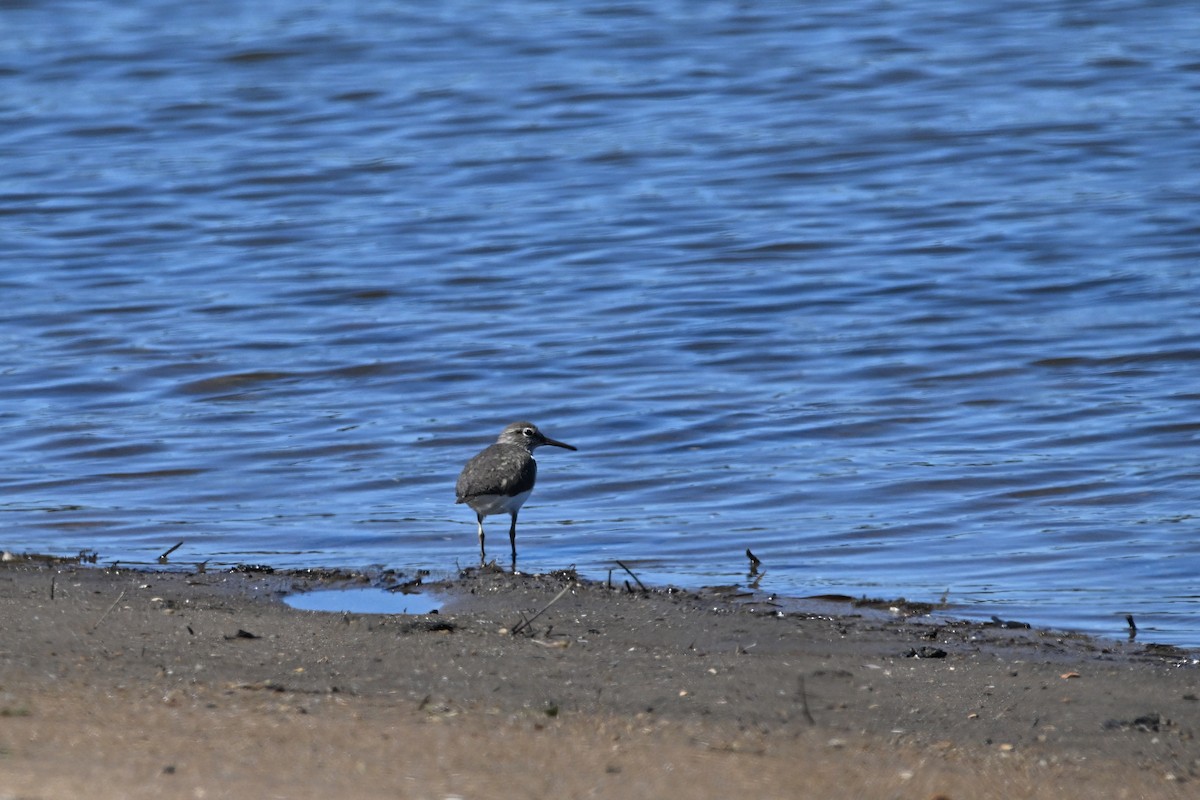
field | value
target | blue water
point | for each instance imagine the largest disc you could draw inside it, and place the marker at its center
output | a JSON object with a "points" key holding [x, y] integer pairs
{"points": [[902, 297], [366, 601]]}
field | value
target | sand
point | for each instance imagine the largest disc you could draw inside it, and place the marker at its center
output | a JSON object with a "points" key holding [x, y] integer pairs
{"points": [[120, 683]]}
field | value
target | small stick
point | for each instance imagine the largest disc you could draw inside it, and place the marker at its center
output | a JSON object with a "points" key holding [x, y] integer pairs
{"points": [[635, 577], [1132, 625], [754, 560], [163, 558], [110, 608], [53, 578], [804, 703], [525, 623]]}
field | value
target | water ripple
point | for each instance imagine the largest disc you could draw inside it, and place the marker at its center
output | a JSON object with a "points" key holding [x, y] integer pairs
{"points": [[902, 299]]}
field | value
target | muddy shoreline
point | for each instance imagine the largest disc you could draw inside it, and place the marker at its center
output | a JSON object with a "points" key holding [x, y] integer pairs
{"points": [[177, 683]]}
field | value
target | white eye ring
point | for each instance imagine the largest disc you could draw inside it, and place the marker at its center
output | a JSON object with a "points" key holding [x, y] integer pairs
{"points": [[528, 432]]}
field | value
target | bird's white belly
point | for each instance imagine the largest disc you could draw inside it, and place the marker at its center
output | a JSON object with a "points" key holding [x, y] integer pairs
{"points": [[488, 504]]}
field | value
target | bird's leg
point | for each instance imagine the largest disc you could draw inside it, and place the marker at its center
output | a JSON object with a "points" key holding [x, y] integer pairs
{"points": [[512, 537], [482, 555]]}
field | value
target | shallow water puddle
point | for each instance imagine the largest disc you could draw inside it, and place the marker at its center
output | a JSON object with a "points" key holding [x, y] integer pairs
{"points": [[365, 601]]}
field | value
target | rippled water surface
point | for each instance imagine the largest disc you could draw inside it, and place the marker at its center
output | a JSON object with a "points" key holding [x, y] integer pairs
{"points": [[902, 297]]}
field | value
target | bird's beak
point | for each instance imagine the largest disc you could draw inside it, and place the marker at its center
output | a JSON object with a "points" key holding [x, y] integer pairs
{"points": [[563, 445]]}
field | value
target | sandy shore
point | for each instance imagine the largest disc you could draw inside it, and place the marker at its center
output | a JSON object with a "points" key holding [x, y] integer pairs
{"points": [[117, 683]]}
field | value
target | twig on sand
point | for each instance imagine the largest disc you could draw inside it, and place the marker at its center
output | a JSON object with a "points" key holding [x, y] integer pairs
{"points": [[110, 608], [163, 558], [804, 704], [635, 577], [525, 623]]}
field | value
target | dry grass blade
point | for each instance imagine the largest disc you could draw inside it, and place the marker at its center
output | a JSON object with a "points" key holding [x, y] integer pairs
{"points": [[641, 585], [525, 623], [109, 611]]}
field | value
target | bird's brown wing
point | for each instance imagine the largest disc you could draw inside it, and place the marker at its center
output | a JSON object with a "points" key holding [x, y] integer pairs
{"points": [[501, 469]]}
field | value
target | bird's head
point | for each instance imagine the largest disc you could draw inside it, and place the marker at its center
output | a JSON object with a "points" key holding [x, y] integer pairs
{"points": [[527, 435]]}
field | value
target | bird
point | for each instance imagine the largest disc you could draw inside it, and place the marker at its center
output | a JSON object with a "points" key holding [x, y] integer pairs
{"points": [[500, 478]]}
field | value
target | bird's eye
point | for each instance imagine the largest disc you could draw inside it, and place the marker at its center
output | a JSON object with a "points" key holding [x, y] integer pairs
{"points": [[528, 432]]}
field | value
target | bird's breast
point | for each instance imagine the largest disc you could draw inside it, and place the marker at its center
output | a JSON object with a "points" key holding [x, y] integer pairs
{"points": [[488, 504]]}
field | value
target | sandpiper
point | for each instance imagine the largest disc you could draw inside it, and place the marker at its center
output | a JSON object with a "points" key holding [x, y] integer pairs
{"points": [[500, 479]]}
